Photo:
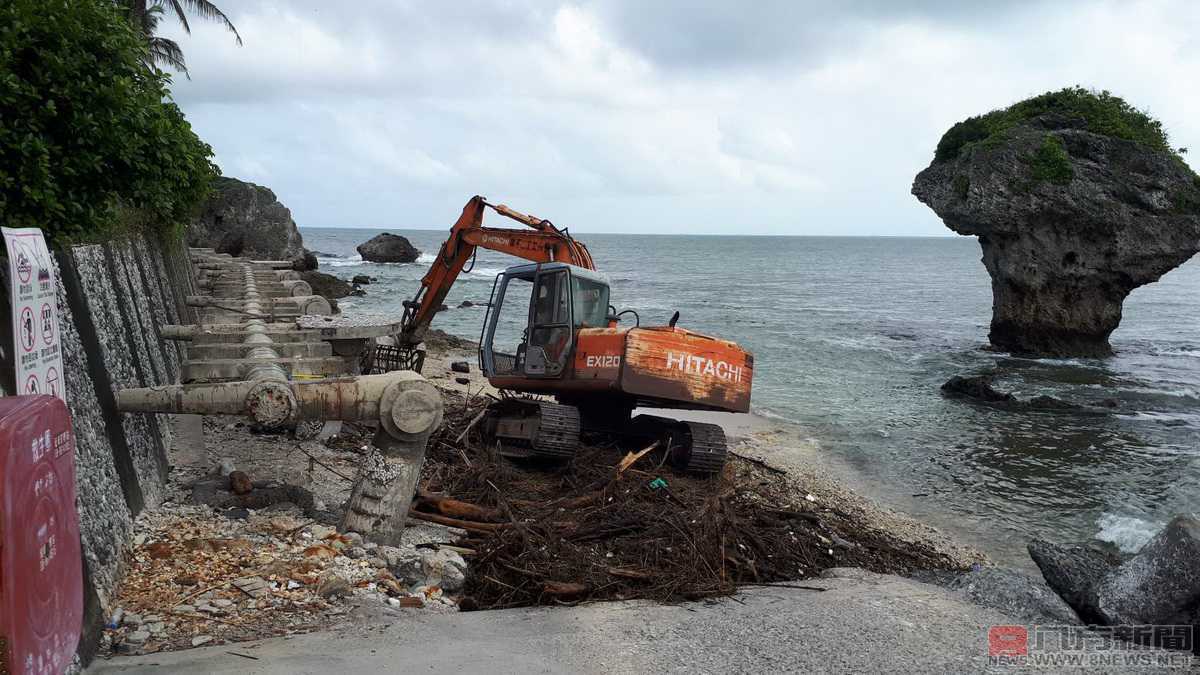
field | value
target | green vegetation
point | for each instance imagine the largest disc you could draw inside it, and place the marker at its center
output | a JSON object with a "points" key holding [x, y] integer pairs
{"points": [[88, 133], [1051, 161], [1101, 112], [145, 16]]}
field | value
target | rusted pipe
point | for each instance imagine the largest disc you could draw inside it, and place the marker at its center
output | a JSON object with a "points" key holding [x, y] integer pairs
{"points": [[403, 402]]}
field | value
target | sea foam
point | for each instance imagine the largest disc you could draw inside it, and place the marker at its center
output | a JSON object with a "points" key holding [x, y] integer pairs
{"points": [[1129, 533]]}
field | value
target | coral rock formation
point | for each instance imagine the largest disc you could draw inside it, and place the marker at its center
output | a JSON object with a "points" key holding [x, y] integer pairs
{"points": [[1077, 199]]}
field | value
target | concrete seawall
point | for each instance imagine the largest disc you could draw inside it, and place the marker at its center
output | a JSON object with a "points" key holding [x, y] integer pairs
{"points": [[112, 298]]}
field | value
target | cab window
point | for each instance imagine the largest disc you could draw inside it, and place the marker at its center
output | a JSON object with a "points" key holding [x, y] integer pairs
{"points": [[590, 302]]}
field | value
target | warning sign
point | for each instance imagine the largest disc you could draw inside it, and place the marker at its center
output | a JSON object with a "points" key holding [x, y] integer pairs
{"points": [[35, 313]]}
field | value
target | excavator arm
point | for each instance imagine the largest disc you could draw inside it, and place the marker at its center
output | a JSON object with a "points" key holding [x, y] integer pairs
{"points": [[545, 243]]}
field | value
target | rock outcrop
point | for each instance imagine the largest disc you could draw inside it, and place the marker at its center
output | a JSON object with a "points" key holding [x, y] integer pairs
{"points": [[327, 285], [388, 248], [1145, 597], [1077, 199], [977, 387], [1074, 572], [1158, 586], [244, 219]]}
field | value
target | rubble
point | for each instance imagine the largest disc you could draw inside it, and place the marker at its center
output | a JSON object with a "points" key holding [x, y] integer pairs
{"points": [[201, 578]]}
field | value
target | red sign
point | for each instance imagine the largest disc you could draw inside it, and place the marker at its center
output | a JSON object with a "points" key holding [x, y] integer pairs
{"points": [[41, 577]]}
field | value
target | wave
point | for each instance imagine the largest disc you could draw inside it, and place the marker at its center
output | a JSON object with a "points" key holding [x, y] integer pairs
{"points": [[427, 258], [1182, 392], [356, 259], [1129, 533]]}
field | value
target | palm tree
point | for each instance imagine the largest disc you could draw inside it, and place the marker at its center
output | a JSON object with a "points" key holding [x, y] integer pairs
{"points": [[145, 16]]}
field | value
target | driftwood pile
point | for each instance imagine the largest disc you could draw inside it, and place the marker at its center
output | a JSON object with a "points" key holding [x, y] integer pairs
{"points": [[617, 523]]}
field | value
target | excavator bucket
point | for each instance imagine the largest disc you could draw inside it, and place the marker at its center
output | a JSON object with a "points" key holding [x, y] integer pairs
{"points": [[388, 358]]}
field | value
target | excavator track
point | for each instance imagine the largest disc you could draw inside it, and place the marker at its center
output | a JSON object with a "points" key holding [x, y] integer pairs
{"points": [[558, 431], [694, 447], [706, 450], [531, 428]]}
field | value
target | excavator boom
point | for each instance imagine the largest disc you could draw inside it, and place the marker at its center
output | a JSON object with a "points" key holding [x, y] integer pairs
{"points": [[546, 243]]}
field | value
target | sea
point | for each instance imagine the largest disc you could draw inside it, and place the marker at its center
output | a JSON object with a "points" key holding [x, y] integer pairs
{"points": [[852, 339]]}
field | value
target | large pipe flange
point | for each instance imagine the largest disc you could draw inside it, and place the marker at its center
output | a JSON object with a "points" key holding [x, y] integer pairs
{"points": [[410, 408], [310, 304], [296, 288], [271, 404]]}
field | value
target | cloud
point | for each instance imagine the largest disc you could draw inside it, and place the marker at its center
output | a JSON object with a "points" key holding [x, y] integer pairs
{"points": [[768, 117]]}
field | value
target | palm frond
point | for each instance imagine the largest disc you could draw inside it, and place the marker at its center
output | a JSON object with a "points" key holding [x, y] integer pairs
{"points": [[207, 10], [177, 8], [167, 52]]}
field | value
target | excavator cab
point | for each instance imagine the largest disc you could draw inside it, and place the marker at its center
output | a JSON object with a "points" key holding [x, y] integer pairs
{"points": [[535, 310]]}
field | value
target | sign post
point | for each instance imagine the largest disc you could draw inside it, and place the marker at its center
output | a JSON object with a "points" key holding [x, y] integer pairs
{"points": [[38, 353]]}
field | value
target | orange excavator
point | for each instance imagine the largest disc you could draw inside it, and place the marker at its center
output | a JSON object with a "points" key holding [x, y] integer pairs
{"points": [[550, 331]]}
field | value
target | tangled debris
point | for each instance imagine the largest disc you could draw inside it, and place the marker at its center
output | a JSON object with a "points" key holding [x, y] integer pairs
{"points": [[603, 528]]}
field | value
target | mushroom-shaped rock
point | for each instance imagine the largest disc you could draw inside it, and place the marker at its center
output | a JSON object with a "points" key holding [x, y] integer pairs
{"points": [[1077, 199], [388, 248]]}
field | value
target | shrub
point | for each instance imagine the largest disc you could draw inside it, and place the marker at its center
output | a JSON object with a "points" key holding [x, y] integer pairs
{"points": [[1051, 161], [86, 129], [1101, 112]]}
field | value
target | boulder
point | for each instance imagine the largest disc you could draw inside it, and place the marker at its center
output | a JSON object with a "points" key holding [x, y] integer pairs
{"points": [[388, 248], [439, 340], [327, 285], [244, 219], [362, 279], [1158, 586], [306, 262], [1074, 572], [977, 387], [1077, 199]]}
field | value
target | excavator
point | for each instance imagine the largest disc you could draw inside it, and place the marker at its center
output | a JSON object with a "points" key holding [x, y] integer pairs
{"points": [[551, 332]]}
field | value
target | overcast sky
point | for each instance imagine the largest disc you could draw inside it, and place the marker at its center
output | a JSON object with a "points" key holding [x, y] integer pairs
{"points": [[667, 116]]}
